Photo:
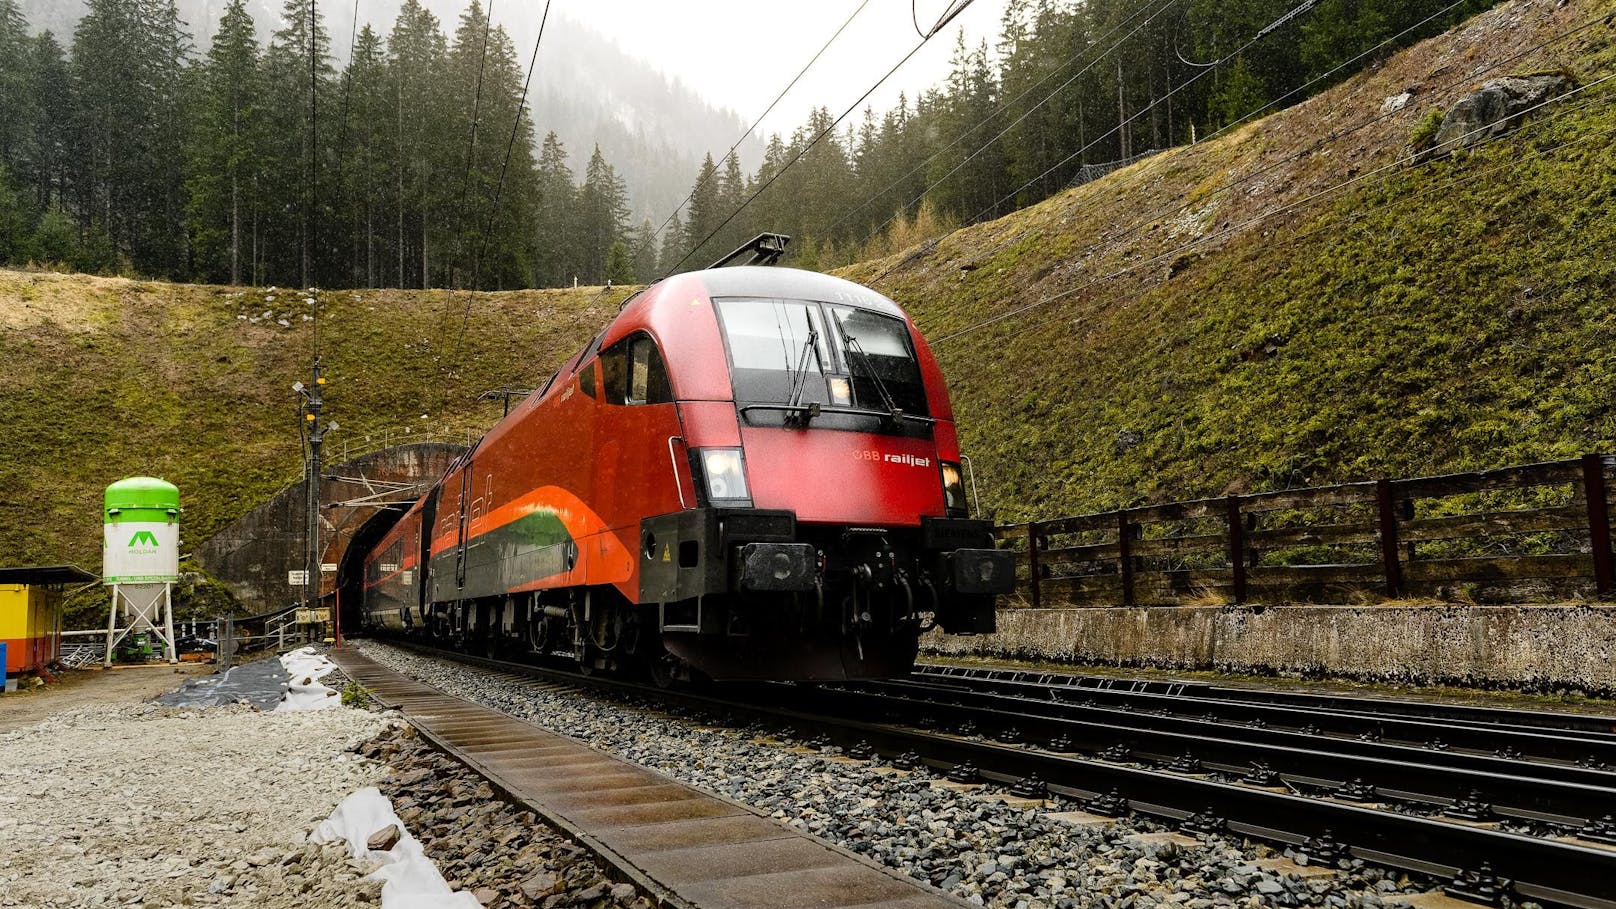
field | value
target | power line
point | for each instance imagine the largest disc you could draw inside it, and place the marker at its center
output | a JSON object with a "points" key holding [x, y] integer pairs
{"points": [[1022, 94], [476, 115], [954, 11], [1337, 135], [948, 14], [1002, 133], [1342, 134], [311, 231], [1327, 192], [766, 111], [1262, 33], [499, 190]]}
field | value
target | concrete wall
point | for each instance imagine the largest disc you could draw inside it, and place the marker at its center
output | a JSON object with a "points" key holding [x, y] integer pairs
{"points": [[253, 555], [1524, 647]]}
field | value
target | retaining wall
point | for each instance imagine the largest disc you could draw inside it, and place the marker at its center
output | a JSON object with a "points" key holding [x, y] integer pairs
{"points": [[1524, 647]]}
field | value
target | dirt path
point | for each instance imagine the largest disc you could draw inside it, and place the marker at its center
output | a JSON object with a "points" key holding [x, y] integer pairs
{"points": [[86, 687]]}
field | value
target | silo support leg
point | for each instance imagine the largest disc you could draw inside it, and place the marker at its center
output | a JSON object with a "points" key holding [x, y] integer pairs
{"points": [[168, 622]]}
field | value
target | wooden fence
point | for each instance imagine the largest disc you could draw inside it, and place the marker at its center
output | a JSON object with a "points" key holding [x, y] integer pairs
{"points": [[1516, 534]]}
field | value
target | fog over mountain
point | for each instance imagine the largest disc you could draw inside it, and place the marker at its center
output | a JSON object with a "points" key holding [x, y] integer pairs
{"points": [[588, 90]]}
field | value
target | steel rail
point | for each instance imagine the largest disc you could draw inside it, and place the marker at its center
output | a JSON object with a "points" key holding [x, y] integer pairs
{"points": [[1446, 711], [1569, 797], [1505, 745], [1535, 742], [1552, 871]]}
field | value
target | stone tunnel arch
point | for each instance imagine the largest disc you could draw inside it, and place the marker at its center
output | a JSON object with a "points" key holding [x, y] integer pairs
{"points": [[254, 554]]}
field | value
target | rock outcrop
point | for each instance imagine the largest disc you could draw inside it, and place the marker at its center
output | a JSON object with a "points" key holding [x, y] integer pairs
{"points": [[1495, 109]]}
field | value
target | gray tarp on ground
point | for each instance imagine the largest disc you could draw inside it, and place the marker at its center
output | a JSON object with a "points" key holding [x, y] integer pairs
{"points": [[259, 683]]}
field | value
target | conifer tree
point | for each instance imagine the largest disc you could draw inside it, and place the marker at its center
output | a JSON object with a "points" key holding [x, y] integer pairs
{"points": [[416, 53], [555, 241], [291, 93], [45, 163], [643, 248], [367, 159], [703, 215], [673, 246], [18, 112], [227, 152], [601, 217]]}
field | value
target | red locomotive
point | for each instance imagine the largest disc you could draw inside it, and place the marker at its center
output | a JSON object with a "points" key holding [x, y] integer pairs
{"points": [[752, 472]]}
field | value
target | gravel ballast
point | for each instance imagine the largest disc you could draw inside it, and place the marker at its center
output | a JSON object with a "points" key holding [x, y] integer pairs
{"points": [[986, 852], [119, 806], [499, 852]]}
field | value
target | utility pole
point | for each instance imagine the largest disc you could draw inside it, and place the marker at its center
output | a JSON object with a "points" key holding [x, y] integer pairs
{"points": [[313, 412]]}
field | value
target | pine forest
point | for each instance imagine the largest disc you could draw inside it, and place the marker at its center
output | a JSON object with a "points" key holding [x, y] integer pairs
{"points": [[258, 160]]}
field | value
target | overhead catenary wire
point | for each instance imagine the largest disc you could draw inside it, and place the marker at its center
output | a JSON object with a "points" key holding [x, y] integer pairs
{"points": [[1321, 195], [812, 143], [504, 168], [1262, 33], [947, 16], [1341, 134], [766, 111], [1255, 112], [1337, 135], [1359, 216], [1002, 133], [872, 197]]}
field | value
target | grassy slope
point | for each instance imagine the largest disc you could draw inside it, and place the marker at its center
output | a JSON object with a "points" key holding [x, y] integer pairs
{"points": [[102, 378], [1445, 316]]}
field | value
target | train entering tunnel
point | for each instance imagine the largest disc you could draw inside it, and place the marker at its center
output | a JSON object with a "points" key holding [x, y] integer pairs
{"points": [[260, 554], [350, 581]]}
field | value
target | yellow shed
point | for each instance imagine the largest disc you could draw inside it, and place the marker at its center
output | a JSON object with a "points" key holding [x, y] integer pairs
{"points": [[31, 614]]}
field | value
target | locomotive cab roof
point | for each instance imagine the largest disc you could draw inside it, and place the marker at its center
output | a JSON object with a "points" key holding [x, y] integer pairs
{"points": [[777, 283]]}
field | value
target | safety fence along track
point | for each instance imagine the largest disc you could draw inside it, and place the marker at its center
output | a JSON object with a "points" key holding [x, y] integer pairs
{"points": [[1515, 534], [1498, 803]]}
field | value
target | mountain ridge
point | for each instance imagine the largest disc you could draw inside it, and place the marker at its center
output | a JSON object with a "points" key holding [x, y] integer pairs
{"points": [[588, 90]]}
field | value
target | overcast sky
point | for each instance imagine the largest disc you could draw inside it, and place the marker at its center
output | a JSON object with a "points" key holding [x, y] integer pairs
{"points": [[740, 53]]}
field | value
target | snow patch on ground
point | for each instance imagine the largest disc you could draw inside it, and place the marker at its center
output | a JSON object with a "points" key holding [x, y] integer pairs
{"points": [[304, 692], [409, 879]]}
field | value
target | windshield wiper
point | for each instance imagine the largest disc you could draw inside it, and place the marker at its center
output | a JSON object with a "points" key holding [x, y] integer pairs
{"points": [[799, 380], [853, 346]]}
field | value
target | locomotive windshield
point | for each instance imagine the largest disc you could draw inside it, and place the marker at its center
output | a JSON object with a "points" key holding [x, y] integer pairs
{"points": [[799, 352]]}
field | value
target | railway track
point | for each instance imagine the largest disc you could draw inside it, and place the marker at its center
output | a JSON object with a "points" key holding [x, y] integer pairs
{"points": [[1492, 826], [685, 848], [1588, 739]]}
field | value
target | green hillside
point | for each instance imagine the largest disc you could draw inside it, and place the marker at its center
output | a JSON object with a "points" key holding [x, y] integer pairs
{"points": [[1195, 326], [1192, 325], [102, 378]]}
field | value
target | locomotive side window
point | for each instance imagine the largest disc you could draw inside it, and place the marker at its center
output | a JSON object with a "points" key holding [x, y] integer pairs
{"points": [[633, 373], [648, 378], [586, 380], [614, 373]]}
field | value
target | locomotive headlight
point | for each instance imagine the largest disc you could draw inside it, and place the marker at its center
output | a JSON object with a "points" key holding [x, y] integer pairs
{"points": [[954, 489], [725, 472]]}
